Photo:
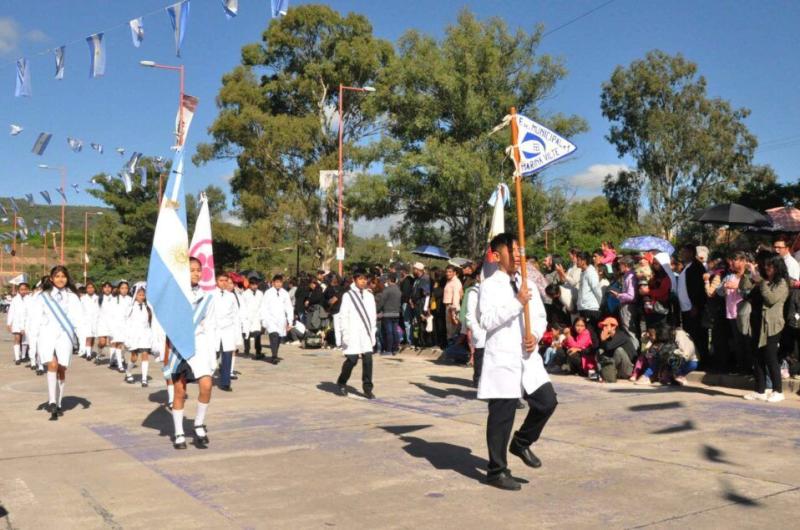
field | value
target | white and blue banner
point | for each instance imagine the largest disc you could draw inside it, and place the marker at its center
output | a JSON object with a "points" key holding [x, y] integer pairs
{"points": [[29, 196], [75, 144], [126, 180], [97, 147], [60, 51], [178, 16], [46, 196], [168, 280], [279, 8], [231, 8], [14, 205], [23, 88], [137, 31], [61, 192], [97, 53], [41, 143], [539, 146], [15, 129]]}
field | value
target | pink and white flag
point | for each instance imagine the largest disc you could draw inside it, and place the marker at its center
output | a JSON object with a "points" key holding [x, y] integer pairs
{"points": [[201, 247]]}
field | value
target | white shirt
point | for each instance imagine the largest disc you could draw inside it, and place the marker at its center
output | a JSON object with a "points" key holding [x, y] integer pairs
{"points": [[792, 267], [478, 333], [683, 292], [507, 367], [252, 302], [276, 311], [357, 329], [226, 320]]}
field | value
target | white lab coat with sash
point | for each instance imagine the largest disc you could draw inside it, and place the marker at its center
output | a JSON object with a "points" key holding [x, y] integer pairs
{"points": [[507, 367], [276, 311], [49, 335], [358, 336]]}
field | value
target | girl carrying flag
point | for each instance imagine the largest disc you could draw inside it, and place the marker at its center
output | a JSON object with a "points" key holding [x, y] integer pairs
{"points": [[56, 316], [139, 324]]}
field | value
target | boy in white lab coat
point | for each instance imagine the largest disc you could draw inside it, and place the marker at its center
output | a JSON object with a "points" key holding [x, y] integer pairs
{"points": [[512, 367], [277, 315], [17, 316], [252, 299], [357, 318], [228, 327]]}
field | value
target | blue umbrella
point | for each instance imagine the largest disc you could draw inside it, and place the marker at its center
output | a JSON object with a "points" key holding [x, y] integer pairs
{"points": [[646, 243], [430, 251]]}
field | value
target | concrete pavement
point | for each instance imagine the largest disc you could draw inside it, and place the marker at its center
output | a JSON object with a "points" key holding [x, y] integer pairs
{"points": [[286, 452]]}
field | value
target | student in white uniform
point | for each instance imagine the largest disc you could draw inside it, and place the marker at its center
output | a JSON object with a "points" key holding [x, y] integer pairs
{"points": [[16, 318], [357, 317], [56, 317], [121, 304], [139, 323], [252, 298], [277, 315], [91, 312], [35, 359], [105, 322], [199, 367], [512, 367], [227, 328]]}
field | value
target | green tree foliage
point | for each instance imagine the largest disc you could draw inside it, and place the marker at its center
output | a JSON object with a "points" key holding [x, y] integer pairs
{"points": [[624, 193], [442, 99], [278, 120], [689, 148], [763, 191]]}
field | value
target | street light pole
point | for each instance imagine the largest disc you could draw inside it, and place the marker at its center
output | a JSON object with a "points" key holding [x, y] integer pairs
{"points": [[340, 186], [86, 242], [181, 73], [63, 171]]}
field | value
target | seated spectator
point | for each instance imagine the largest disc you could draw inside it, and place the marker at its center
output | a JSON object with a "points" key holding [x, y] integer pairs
{"points": [[657, 340], [557, 312], [580, 349], [617, 351], [550, 344], [685, 357]]}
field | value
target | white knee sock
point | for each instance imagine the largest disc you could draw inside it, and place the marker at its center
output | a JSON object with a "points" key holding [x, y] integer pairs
{"points": [[51, 387], [171, 393], [61, 383], [16, 352], [233, 362], [145, 367], [200, 418], [177, 420]]}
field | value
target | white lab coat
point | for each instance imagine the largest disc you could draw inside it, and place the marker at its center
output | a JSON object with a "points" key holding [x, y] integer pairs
{"points": [[17, 313], [105, 316], [357, 338], [91, 313], [507, 368], [225, 317], [50, 337], [140, 330], [478, 333], [119, 308], [276, 311], [252, 303]]}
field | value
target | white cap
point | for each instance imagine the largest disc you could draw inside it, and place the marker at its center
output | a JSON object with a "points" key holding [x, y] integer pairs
{"points": [[419, 266]]}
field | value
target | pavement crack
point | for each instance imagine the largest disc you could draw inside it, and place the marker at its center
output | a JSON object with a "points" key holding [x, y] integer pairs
{"points": [[108, 517]]}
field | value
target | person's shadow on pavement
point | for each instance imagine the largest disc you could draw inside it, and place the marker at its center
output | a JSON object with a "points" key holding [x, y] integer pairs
{"points": [[68, 403]]}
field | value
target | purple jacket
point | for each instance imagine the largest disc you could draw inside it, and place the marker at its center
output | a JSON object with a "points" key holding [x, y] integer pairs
{"points": [[628, 293]]}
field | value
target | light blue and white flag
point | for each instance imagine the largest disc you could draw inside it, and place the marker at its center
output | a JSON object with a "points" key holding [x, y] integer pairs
{"points": [[126, 179], [231, 8], [21, 223], [121, 151], [143, 176], [133, 162], [36, 221], [279, 8], [76, 188], [137, 31], [23, 79], [60, 61], [22, 234], [97, 55], [29, 196], [178, 16], [7, 248], [168, 280], [60, 191], [97, 147], [3, 209], [15, 129], [75, 144], [504, 192], [41, 143], [14, 205], [46, 196]]}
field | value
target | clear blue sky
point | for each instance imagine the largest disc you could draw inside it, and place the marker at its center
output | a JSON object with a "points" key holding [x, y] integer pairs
{"points": [[746, 49]]}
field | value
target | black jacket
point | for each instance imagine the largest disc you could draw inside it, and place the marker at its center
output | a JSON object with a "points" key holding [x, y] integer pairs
{"points": [[695, 285], [621, 339]]}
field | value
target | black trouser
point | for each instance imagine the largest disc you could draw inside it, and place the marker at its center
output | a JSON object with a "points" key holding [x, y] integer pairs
{"points": [[256, 335], [766, 358], [477, 365], [740, 347], [694, 327], [350, 362], [541, 405], [274, 344]]}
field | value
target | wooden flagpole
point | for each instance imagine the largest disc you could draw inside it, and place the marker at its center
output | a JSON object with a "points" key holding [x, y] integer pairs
{"points": [[520, 220]]}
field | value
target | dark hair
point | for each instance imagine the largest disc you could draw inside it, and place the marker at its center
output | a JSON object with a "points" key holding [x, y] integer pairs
{"points": [[506, 239], [392, 277], [580, 319], [552, 290], [781, 272], [556, 325], [664, 332], [737, 254], [55, 270], [583, 256], [598, 252], [451, 268], [626, 260], [358, 272], [192, 259], [277, 277], [221, 274], [20, 284], [691, 247]]}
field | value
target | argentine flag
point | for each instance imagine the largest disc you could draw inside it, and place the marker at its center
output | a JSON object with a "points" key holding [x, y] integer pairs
{"points": [[178, 16], [168, 281], [97, 59]]}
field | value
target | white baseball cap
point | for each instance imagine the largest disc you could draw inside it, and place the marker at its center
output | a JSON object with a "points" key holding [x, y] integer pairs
{"points": [[419, 266]]}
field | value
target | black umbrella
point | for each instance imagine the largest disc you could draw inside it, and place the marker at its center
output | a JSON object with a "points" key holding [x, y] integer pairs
{"points": [[732, 214]]}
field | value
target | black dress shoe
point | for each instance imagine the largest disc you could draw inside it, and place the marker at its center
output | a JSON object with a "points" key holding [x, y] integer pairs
{"points": [[51, 407], [504, 481], [17, 362], [259, 356], [180, 442], [368, 394], [201, 439], [234, 377], [226, 388], [59, 411], [341, 390], [524, 453]]}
